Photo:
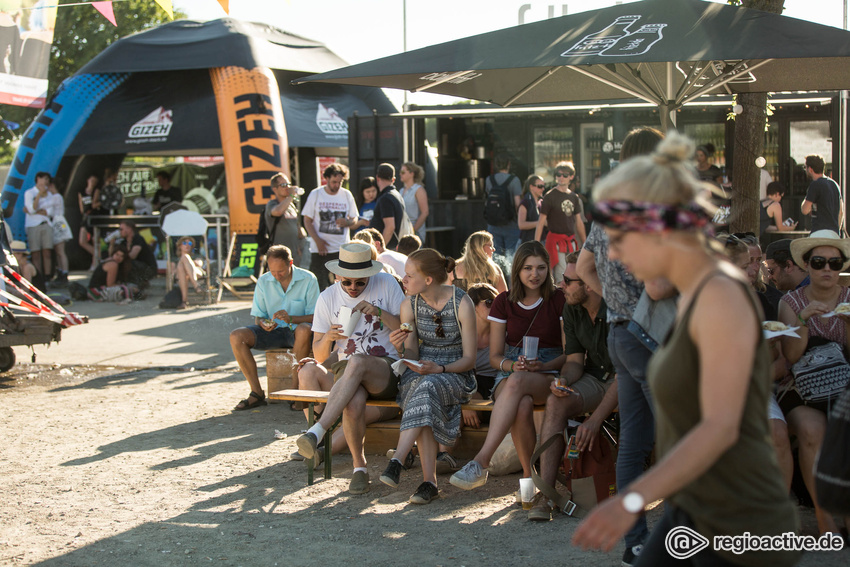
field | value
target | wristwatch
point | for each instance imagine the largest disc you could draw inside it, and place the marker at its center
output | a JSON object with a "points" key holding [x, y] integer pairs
{"points": [[633, 503]]}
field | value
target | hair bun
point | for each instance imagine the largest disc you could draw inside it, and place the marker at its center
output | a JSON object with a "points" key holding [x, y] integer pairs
{"points": [[450, 264], [673, 149]]}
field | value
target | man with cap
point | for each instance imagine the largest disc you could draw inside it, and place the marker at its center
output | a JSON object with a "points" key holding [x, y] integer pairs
{"points": [[783, 272], [284, 300], [363, 371]]}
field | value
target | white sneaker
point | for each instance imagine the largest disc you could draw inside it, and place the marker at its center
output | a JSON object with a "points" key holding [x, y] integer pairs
{"points": [[470, 476]]}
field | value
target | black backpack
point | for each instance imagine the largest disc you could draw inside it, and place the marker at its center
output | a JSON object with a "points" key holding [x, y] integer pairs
{"points": [[498, 204], [264, 235]]}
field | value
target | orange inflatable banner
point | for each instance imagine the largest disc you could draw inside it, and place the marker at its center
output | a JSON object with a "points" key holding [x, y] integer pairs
{"points": [[253, 140]]}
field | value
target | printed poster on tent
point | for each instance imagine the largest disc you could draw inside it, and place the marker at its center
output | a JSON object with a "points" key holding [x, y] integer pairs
{"points": [[26, 34]]}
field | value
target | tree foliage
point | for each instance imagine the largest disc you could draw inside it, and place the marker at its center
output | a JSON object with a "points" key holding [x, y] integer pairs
{"points": [[81, 34]]}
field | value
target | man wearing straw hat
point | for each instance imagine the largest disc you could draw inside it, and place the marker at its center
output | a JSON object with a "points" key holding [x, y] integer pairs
{"points": [[356, 314]]}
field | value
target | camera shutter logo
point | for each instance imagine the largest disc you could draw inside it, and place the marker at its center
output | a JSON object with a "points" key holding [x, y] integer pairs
{"points": [[683, 542]]}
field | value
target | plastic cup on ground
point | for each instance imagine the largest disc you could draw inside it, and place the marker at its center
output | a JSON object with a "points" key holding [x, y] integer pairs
{"points": [[529, 347], [526, 492]]}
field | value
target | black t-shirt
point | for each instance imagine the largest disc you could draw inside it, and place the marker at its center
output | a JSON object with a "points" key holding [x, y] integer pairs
{"points": [[389, 204], [825, 195], [163, 197], [146, 255]]}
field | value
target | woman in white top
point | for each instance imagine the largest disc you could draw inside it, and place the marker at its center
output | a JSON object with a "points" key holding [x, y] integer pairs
{"points": [[61, 232], [415, 199]]}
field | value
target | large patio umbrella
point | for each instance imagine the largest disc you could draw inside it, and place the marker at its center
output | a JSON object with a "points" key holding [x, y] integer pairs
{"points": [[666, 52]]}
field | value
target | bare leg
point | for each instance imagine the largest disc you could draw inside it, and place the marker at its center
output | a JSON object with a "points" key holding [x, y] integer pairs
{"points": [[314, 376], [370, 372], [558, 411], [524, 434], [782, 445], [47, 262], [36, 260], [810, 425], [61, 257], [428, 454], [508, 396], [303, 340], [354, 426], [183, 280], [84, 243], [405, 443], [241, 341]]}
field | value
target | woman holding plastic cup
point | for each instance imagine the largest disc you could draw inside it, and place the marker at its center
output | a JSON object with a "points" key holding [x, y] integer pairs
{"points": [[716, 468], [432, 389], [532, 308]]}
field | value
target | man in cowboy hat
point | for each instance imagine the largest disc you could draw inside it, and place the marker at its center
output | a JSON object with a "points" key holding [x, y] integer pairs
{"points": [[373, 298], [284, 300]]}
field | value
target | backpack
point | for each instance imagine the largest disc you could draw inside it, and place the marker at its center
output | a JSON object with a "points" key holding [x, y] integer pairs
{"points": [[498, 205], [264, 235]]}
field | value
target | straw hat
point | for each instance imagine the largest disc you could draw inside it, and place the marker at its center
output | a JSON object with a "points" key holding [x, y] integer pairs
{"points": [[355, 261], [18, 246], [800, 246]]}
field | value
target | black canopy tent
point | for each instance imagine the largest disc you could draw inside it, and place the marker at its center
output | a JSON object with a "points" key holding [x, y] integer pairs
{"points": [[666, 52]]}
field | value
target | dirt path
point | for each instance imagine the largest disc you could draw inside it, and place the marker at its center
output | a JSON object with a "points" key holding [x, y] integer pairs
{"points": [[128, 466]]}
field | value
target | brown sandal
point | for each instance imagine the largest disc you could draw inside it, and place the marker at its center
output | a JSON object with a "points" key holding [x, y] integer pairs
{"points": [[246, 403]]}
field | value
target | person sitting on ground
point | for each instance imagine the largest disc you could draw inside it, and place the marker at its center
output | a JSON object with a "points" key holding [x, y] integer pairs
{"points": [[781, 269], [186, 271], [283, 307], [476, 264], [141, 266], [26, 268], [366, 354], [531, 309], [432, 391], [824, 255], [482, 296], [770, 211], [561, 212], [587, 382], [106, 282], [408, 244]]}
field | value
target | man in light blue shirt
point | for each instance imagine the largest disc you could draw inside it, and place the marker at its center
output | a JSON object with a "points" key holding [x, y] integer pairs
{"points": [[284, 302]]}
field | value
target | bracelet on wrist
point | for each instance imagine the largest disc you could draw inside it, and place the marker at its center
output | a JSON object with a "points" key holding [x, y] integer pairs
{"points": [[800, 318], [502, 363], [512, 365]]}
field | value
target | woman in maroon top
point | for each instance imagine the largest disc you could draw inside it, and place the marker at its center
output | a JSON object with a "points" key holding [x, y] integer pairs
{"points": [[532, 308]]}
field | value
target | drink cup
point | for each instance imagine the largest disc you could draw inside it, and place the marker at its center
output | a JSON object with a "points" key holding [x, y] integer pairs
{"points": [[348, 319], [529, 347], [526, 492]]}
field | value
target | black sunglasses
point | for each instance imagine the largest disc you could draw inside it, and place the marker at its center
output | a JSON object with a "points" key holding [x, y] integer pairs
{"points": [[568, 281], [349, 283], [819, 262], [561, 174], [540, 186], [439, 330]]}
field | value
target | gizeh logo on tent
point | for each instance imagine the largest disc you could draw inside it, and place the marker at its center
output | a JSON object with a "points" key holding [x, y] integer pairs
{"points": [[155, 125]]}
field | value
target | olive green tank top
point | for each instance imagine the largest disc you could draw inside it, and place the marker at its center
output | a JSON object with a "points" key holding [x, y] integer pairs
{"points": [[743, 491]]}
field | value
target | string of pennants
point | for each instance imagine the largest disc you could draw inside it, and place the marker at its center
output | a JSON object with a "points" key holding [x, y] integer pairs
{"points": [[105, 7]]}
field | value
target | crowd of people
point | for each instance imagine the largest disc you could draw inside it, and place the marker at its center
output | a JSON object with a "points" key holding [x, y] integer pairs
{"points": [[631, 315]]}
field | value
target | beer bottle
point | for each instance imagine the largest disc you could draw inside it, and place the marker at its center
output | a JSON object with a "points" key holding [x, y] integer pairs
{"points": [[596, 42], [636, 43]]}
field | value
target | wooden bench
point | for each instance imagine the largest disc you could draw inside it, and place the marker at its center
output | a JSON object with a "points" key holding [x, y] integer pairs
{"points": [[312, 397]]}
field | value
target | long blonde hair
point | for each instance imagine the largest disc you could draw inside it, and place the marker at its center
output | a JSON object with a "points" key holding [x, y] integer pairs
{"points": [[477, 266]]}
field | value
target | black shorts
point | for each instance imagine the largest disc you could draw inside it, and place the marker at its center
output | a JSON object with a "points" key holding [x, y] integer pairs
{"points": [[279, 337]]}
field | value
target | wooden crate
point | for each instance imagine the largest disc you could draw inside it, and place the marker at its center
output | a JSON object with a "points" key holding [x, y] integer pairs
{"points": [[382, 436]]}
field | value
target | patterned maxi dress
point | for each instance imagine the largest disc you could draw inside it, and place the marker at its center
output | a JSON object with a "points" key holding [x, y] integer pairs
{"points": [[434, 400]]}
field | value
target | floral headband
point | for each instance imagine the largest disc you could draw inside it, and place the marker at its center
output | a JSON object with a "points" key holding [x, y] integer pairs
{"points": [[642, 216]]}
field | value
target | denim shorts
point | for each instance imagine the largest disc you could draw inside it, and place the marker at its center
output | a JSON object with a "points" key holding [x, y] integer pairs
{"points": [[279, 337], [512, 353]]}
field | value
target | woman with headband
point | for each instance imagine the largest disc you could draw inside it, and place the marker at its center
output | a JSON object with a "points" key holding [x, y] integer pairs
{"points": [[716, 468]]}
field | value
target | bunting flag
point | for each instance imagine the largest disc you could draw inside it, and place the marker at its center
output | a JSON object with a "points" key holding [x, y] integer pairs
{"points": [[166, 5], [224, 4], [105, 8]]}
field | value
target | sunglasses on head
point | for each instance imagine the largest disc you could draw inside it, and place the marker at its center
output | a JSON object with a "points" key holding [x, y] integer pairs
{"points": [[349, 283], [819, 262]]}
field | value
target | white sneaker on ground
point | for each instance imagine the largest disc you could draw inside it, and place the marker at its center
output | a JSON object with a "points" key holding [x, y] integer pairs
{"points": [[470, 476]]}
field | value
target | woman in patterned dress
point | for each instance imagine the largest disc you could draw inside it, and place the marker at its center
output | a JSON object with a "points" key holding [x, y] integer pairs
{"points": [[431, 392]]}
